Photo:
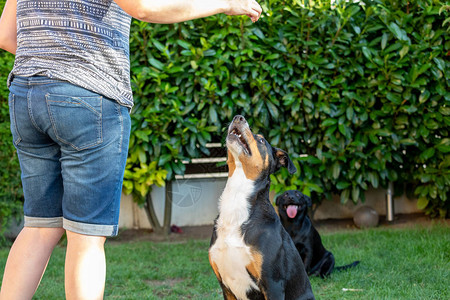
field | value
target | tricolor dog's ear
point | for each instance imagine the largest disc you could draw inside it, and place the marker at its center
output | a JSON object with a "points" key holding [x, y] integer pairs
{"points": [[283, 160]]}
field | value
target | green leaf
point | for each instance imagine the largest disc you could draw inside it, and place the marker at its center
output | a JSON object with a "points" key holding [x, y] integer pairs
{"points": [[345, 195], [424, 96], [394, 97], [355, 194], [142, 156], [163, 159], [431, 124], [272, 56], [174, 69], [342, 185], [394, 47], [342, 129], [320, 83], [427, 154], [373, 178], [445, 110], [158, 45], [349, 113], [258, 33], [178, 168], [367, 53], [398, 32], [194, 64], [384, 39], [422, 203], [444, 145], [273, 110], [404, 51], [213, 115], [156, 63], [440, 63], [142, 135], [336, 170], [209, 52], [329, 122], [184, 44]]}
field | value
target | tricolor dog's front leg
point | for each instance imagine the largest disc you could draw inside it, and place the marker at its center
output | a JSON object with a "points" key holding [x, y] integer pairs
{"points": [[227, 294]]}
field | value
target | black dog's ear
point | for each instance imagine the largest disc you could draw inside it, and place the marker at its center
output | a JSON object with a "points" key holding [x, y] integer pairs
{"points": [[277, 200], [283, 160], [308, 201]]}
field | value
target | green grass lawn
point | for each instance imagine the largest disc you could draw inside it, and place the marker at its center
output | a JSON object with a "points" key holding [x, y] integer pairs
{"points": [[395, 264]]}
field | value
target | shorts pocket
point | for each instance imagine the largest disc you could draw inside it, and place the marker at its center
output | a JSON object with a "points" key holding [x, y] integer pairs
{"points": [[76, 121], [12, 118]]}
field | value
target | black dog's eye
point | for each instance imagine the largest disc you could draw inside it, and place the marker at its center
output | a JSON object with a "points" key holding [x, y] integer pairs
{"points": [[261, 140]]}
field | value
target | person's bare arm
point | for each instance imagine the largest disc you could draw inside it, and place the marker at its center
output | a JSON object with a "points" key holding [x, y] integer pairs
{"points": [[8, 29], [174, 11]]}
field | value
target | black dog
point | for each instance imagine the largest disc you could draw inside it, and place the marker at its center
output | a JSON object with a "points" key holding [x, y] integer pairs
{"points": [[293, 212], [251, 254]]}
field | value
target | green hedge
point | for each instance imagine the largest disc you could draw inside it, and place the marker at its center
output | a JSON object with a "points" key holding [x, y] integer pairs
{"points": [[360, 88]]}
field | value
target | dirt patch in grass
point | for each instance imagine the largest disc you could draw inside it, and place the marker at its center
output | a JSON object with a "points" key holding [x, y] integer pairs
{"points": [[323, 226], [162, 288], [166, 282]]}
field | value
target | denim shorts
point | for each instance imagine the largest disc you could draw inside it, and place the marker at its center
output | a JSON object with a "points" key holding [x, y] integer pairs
{"points": [[72, 146]]}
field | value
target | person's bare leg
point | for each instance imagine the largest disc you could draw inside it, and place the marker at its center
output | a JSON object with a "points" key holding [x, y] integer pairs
{"points": [[27, 261], [85, 269]]}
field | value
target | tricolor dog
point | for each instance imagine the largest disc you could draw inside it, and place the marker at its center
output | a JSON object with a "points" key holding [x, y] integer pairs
{"points": [[251, 254]]}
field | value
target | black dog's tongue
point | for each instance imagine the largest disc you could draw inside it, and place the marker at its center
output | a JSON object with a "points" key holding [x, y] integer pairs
{"points": [[291, 211]]}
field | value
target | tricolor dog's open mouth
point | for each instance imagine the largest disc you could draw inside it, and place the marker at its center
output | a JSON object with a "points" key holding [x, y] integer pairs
{"points": [[235, 133]]}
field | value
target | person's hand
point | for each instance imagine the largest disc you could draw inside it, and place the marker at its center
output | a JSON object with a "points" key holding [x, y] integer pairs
{"points": [[249, 8]]}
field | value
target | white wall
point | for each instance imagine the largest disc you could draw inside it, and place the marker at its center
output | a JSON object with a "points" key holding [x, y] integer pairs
{"points": [[195, 203], [376, 198]]}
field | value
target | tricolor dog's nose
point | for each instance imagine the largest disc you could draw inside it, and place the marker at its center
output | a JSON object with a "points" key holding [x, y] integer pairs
{"points": [[239, 119]]}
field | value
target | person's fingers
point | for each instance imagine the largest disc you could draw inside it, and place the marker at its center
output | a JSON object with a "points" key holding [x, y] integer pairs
{"points": [[257, 7], [259, 15], [256, 11], [254, 19], [250, 8]]}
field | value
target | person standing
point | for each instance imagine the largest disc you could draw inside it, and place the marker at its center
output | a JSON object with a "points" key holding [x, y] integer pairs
{"points": [[70, 99]]}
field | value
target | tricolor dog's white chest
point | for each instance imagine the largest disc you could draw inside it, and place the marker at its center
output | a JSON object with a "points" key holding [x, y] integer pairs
{"points": [[229, 253]]}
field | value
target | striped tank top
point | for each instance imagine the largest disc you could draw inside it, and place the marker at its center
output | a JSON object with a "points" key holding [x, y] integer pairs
{"points": [[84, 42]]}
